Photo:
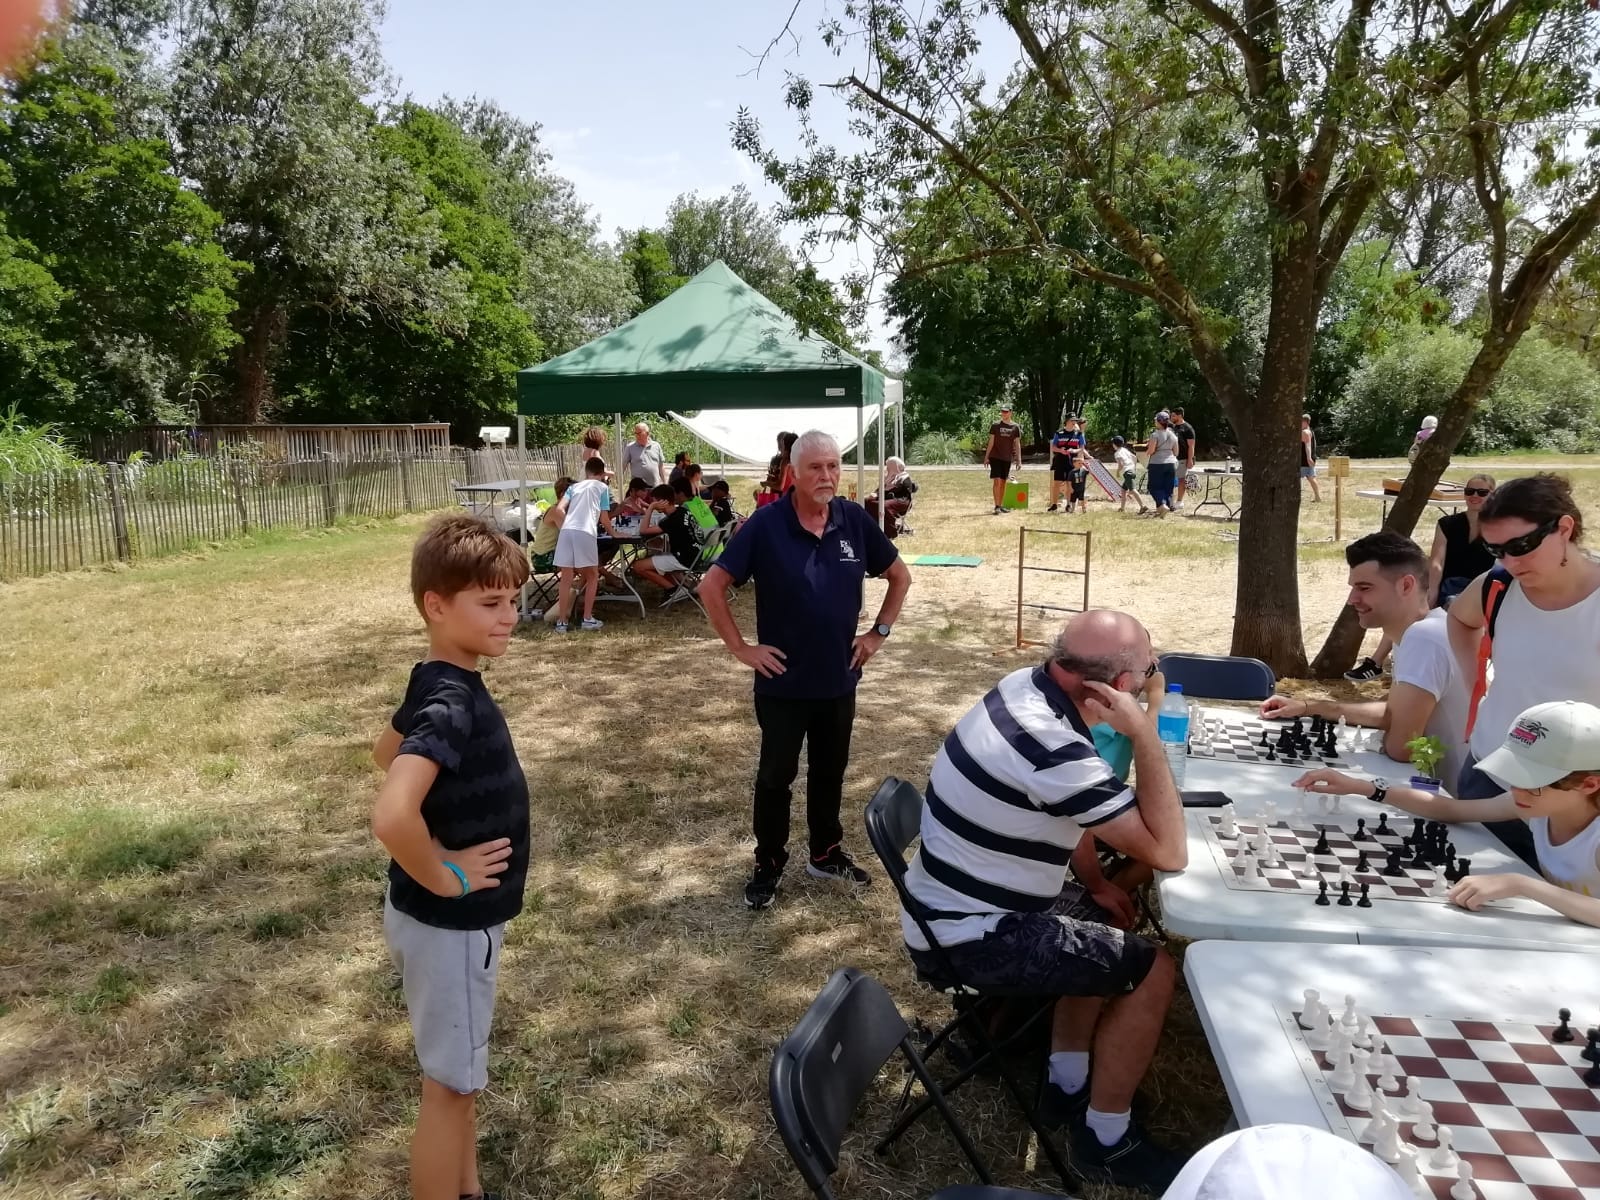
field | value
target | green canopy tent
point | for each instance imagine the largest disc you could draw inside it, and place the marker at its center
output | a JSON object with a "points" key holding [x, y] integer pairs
{"points": [[715, 343]]}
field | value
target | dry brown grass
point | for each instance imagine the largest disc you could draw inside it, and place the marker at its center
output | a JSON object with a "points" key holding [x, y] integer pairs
{"points": [[194, 997]]}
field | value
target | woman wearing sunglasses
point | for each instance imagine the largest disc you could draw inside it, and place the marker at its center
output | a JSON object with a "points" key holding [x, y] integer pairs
{"points": [[1546, 639]]}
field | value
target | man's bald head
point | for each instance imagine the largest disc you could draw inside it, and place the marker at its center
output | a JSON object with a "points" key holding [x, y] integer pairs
{"points": [[1102, 644]]}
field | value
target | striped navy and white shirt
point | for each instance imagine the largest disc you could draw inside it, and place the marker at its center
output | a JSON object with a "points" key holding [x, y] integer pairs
{"points": [[1013, 787]]}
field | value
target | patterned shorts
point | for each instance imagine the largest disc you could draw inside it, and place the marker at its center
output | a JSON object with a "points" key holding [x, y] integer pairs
{"points": [[1071, 950]]}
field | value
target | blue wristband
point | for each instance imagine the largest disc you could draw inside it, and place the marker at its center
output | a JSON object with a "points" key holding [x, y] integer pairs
{"points": [[461, 875]]}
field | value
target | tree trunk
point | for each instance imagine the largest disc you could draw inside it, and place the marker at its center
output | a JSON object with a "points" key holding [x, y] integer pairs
{"points": [[262, 336], [1266, 614], [1344, 639]]}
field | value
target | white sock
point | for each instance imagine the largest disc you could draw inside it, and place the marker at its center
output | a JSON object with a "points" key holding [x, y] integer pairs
{"points": [[1069, 1070], [1108, 1128]]}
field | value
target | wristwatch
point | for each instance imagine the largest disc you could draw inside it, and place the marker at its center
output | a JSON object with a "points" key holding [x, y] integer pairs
{"points": [[1380, 789], [882, 630]]}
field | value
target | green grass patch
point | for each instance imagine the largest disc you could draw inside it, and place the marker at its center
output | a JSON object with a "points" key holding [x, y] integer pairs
{"points": [[149, 917], [220, 769], [685, 1020], [264, 1148], [113, 988], [269, 926], [107, 843]]}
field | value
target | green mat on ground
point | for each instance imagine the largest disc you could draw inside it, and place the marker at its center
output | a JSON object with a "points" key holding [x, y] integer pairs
{"points": [[941, 560]]}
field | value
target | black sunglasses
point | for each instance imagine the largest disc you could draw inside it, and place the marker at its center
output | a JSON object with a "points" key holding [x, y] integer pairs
{"points": [[1466, 491], [1526, 544]]}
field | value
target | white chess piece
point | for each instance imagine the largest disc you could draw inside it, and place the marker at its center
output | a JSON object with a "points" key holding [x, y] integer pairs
{"points": [[1308, 870], [1335, 803], [1359, 1095], [1444, 1158], [1364, 1034], [1462, 1189], [1387, 1146], [1227, 827], [1311, 1011], [1348, 1018], [1381, 1119], [1317, 1036], [1386, 1069], [1342, 1075], [1406, 1106], [1247, 865], [1269, 813], [1422, 1127], [1263, 843], [1322, 802], [1410, 1173]]}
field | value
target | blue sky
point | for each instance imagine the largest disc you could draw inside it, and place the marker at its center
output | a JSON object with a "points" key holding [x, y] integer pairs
{"points": [[635, 96]]}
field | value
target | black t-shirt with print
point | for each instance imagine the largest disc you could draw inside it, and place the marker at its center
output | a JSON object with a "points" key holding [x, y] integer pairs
{"points": [[479, 795], [683, 535]]}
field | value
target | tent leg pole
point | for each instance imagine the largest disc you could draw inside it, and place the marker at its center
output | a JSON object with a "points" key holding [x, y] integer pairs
{"points": [[522, 480], [860, 450], [883, 501]]}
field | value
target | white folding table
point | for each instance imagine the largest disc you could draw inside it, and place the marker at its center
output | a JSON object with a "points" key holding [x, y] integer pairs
{"points": [[1198, 903], [1241, 989]]}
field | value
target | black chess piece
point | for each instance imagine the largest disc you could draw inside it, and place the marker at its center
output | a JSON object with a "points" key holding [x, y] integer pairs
{"points": [[1366, 900], [1420, 857], [1463, 868], [1563, 1032], [1271, 755], [1299, 727], [1452, 873], [1361, 834], [1322, 892], [1344, 894], [1449, 851], [1396, 866], [1322, 846], [1383, 825], [1265, 741], [1591, 1052], [1362, 864], [1415, 837]]}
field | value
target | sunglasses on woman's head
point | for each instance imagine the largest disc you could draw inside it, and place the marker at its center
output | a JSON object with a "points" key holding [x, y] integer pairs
{"points": [[1526, 544], [1466, 491]]}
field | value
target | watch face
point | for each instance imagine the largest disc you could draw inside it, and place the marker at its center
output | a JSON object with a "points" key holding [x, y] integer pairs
{"points": [[882, 630]]}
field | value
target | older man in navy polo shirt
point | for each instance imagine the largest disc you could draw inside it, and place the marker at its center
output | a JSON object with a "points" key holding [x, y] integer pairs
{"points": [[809, 554]]}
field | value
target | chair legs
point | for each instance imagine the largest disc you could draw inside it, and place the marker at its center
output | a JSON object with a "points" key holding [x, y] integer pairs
{"points": [[972, 1016]]}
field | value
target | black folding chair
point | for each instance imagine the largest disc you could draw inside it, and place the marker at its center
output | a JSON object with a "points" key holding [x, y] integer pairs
{"points": [[1219, 676], [894, 820], [824, 1067]]}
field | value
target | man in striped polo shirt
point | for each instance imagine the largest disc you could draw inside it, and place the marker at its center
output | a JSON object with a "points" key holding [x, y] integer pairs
{"points": [[1014, 788]]}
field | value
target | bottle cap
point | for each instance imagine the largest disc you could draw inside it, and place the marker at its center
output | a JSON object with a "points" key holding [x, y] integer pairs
{"points": [[1175, 687]]}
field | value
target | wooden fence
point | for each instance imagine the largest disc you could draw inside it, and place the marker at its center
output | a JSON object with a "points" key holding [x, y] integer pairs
{"points": [[65, 520], [282, 443]]}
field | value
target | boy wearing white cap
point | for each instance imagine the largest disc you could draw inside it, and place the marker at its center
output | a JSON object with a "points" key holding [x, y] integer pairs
{"points": [[1550, 762]]}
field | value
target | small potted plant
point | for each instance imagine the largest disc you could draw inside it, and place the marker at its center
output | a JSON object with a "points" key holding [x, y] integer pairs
{"points": [[1427, 753]]}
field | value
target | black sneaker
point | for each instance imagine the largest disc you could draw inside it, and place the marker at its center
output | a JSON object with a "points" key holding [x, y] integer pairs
{"points": [[1133, 1162], [1062, 1110], [838, 867], [763, 886], [1364, 672], [1053, 508], [998, 510]]}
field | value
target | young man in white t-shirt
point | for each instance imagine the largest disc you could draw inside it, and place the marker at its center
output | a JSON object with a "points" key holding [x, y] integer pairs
{"points": [[1127, 468], [587, 504], [1389, 591]]}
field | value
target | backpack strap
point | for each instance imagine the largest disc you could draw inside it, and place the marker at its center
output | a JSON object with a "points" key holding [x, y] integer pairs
{"points": [[1495, 585]]}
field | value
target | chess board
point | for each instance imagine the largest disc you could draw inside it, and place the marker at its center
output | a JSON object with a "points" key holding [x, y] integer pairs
{"points": [[1239, 739], [1295, 842], [1515, 1102]]}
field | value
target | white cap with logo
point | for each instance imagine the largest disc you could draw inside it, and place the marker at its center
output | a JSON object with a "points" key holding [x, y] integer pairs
{"points": [[1545, 743]]}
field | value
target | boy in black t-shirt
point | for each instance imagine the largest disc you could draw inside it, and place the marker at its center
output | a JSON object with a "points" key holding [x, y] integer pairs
{"points": [[670, 519], [453, 814]]}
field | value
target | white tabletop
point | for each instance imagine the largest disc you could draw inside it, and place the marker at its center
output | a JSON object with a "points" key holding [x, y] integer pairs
{"points": [[1198, 903], [1241, 988], [503, 485]]}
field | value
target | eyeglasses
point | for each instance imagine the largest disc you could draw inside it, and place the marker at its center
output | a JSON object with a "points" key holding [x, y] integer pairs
{"points": [[1151, 670], [1526, 544], [1466, 491]]}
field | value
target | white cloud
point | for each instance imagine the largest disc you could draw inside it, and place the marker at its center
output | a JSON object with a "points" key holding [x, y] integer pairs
{"points": [[563, 139]]}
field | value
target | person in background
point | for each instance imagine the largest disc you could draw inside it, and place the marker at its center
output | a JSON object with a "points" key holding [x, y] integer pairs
{"points": [[679, 465], [1546, 640], [899, 487], [1389, 591], [1548, 767], [1066, 440], [1128, 468], [1457, 558], [635, 500], [721, 502], [586, 505], [1429, 424], [1185, 434], [692, 478], [1078, 477], [772, 485], [670, 519], [1162, 450], [1002, 454], [643, 457], [543, 546], [1308, 457]]}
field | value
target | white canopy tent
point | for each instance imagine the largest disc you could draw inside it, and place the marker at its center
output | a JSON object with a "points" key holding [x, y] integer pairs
{"points": [[750, 435]]}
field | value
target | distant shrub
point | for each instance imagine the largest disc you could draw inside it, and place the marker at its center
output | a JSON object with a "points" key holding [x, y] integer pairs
{"points": [[940, 450], [29, 449]]}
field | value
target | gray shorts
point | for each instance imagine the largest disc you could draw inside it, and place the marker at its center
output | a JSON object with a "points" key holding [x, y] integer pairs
{"points": [[449, 976], [575, 548]]}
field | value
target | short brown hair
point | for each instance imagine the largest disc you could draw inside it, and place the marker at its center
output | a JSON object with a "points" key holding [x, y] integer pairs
{"points": [[458, 551], [594, 437]]}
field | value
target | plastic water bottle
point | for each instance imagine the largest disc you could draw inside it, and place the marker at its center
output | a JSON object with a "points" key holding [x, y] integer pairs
{"points": [[1172, 724]]}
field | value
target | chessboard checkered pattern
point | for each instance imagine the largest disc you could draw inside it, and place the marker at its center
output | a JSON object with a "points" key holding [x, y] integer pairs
{"points": [[1514, 1101], [1239, 739], [1295, 842]]}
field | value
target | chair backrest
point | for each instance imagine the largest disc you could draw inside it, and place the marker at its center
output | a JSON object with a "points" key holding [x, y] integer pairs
{"points": [[824, 1067], [1219, 677], [712, 547], [894, 818]]}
